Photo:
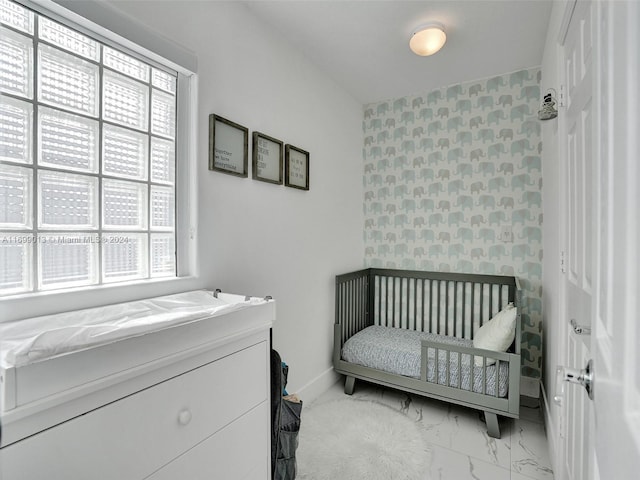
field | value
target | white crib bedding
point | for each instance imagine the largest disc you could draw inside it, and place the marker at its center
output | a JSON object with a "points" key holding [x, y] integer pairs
{"points": [[398, 351]]}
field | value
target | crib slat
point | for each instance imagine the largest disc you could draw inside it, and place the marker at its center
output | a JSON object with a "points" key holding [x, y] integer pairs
{"points": [[343, 316], [473, 308], [415, 303], [422, 317], [464, 306], [438, 296], [363, 301], [490, 302], [379, 280], [401, 301], [386, 302], [353, 304], [481, 304], [484, 374], [358, 302], [430, 306], [460, 370], [352, 314], [446, 308], [497, 378], [343, 320], [346, 310], [448, 378], [348, 326], [455, 309], [393, 301]]}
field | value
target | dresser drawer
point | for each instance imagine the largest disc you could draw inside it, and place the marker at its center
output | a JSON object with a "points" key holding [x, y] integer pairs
{"points": [[235, 453], [139, 434]]}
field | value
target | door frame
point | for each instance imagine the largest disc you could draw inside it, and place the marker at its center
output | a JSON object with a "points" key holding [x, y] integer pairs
{"points": [[560, 329]]}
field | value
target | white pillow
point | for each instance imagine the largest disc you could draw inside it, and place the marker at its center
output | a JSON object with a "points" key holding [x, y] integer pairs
{"points": [[497, 334]]}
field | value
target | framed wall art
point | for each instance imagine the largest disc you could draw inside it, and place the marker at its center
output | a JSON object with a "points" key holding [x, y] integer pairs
{"points": [[268, 153], [228, 147], [296, 167]]}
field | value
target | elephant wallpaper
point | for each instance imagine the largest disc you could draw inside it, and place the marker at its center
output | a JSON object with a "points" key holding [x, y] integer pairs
{"points": [[444, 172]]}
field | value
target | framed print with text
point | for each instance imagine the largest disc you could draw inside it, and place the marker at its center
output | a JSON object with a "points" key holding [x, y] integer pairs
{"points": [[296, 167], [228, 147], [267, 158]]}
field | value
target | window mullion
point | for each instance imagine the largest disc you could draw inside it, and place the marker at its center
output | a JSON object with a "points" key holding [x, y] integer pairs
{"points": [[99, 260], [149, 153], [35, 155], [175, 184]]}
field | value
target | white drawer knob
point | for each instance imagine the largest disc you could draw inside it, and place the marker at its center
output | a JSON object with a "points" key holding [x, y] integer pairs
{"points": [[184, 417]]}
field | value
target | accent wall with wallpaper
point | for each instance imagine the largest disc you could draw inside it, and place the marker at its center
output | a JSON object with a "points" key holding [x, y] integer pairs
{"points": [[446, 172]]}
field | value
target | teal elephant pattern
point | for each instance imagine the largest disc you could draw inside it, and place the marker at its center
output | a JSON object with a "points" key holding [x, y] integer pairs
{"points": [[445, 171]]}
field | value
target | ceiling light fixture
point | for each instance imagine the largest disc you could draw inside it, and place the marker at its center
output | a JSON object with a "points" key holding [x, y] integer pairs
{"points": [[427, 39]]}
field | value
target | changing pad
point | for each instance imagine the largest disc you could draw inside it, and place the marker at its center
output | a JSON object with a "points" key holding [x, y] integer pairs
{"points": [[27, 341], [398, 351]]}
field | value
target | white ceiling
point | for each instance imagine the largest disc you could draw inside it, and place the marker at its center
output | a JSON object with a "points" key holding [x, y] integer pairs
{"points": [[363, 45]]}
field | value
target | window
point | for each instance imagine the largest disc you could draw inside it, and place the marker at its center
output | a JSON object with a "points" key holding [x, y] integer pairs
{"points": [[87, 158]]}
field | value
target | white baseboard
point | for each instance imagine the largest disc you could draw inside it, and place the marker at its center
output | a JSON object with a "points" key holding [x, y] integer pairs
{"points": [[318, 385], [551, 430]]}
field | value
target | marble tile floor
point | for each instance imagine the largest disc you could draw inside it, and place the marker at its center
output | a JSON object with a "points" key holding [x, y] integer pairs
{"points": [[457, 436]]}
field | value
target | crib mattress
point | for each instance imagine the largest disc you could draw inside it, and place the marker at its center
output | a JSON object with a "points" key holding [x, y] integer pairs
{"points": [[398, 351]]}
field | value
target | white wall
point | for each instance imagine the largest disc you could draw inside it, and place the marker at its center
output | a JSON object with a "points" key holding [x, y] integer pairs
{"points": [[257, 238], [552, 238]]}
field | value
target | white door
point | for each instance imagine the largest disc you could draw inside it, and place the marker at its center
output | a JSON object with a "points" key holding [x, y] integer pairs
{"points": [[601, 438], [616, 331], [579, 233]]}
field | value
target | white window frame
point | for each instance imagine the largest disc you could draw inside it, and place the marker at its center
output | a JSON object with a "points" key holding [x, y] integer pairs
{"points": [[106, 24]]}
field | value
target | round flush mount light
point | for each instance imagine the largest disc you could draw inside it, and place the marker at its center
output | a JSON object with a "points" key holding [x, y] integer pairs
{"points": [[427, 39]]}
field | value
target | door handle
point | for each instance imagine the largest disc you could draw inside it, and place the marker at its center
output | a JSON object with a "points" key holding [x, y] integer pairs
{"points": [[566, 375]]}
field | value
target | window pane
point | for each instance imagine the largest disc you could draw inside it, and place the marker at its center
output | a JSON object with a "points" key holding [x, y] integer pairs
{"points": [[124, 153], [66, 260], [67, 81], [15, 197], [87, 158], [163, 255], [163, 80], [15, 130], [16, 16], [15, 263], [67, 201], [163, 161], [68, 39], [16, 63], [125, 64], [163, 114], [125, 101], [124, 205], [67, 141], [124, 256], [162, 208]]}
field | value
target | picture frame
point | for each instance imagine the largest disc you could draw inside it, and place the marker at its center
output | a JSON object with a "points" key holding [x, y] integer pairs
{"points": [[296, 167], [228, 147], [267, 159]]}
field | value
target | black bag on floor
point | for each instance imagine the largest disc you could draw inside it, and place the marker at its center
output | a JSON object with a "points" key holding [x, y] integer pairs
{"points": [[285, 423]]}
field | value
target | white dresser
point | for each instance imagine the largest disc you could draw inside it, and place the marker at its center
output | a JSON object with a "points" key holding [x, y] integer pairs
{"points": [[187, 402]]}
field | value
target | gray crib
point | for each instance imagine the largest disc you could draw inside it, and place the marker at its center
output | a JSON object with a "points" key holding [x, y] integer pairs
{"points": [[421, 333]]}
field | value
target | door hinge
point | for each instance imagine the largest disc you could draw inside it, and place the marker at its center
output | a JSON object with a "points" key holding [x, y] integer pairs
{"points": [[561, 102], [563, 263]]}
